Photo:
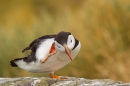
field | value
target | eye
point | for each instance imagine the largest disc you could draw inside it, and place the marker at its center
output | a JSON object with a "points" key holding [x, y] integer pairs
{"points": [[71, 40]]}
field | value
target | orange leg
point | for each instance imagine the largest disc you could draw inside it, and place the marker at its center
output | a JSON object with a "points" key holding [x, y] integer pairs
{"points": [[57, 77], [54, 76], [51, 52], [45, 59], [54, 52]]}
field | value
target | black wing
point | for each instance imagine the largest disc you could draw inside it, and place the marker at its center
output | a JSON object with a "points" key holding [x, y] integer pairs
{"points": [[33, 46]]}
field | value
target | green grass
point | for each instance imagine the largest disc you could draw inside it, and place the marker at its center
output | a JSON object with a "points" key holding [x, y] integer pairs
{"points": [[101, 26]]}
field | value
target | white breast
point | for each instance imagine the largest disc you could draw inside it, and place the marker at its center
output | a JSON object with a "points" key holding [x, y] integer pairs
{"points": [[44, 49]]}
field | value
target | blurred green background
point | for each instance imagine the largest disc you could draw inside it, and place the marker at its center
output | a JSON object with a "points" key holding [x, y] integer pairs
{"points": [[102, 26]]}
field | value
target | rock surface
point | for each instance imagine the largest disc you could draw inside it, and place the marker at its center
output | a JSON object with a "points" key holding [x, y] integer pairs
{"points": [[71, 81]]}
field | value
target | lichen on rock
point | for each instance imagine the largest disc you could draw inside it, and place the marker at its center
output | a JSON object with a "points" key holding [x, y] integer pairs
{"points": [[71, 81]]}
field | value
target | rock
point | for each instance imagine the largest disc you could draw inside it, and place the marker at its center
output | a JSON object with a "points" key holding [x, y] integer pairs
{"points": [[71, 81]]}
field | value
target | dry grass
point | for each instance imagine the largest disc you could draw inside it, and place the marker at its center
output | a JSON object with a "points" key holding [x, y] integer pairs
{"points": [[102, 27]]}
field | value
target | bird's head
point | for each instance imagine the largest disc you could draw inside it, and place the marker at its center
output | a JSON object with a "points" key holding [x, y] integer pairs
{"points": [[65, 42]]}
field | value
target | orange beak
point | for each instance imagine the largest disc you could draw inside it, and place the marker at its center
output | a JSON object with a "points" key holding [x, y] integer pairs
{"points": [[67, 50]]}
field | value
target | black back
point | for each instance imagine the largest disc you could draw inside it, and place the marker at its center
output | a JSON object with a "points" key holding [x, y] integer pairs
{"points": [[33, 46]]}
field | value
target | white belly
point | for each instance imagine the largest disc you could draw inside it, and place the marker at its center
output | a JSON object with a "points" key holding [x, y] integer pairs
{"points": [[52, 64]]}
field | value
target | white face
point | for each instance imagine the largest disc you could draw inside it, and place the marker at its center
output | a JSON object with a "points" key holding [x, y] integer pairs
{"points": [[70, 44]]}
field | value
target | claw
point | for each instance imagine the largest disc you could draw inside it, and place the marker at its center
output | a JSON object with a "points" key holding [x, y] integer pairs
{"points": [[57, 77]]}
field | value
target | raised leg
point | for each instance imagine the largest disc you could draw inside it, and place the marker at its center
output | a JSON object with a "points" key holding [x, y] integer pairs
{"points": [[43, 60], [51, 52]]}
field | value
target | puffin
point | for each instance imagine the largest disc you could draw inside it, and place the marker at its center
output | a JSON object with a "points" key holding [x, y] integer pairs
{"points": [[49, 53]]}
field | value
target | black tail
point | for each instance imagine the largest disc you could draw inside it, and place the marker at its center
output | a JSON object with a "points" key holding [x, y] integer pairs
{"points": [[27, 59], [12, 62]]}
